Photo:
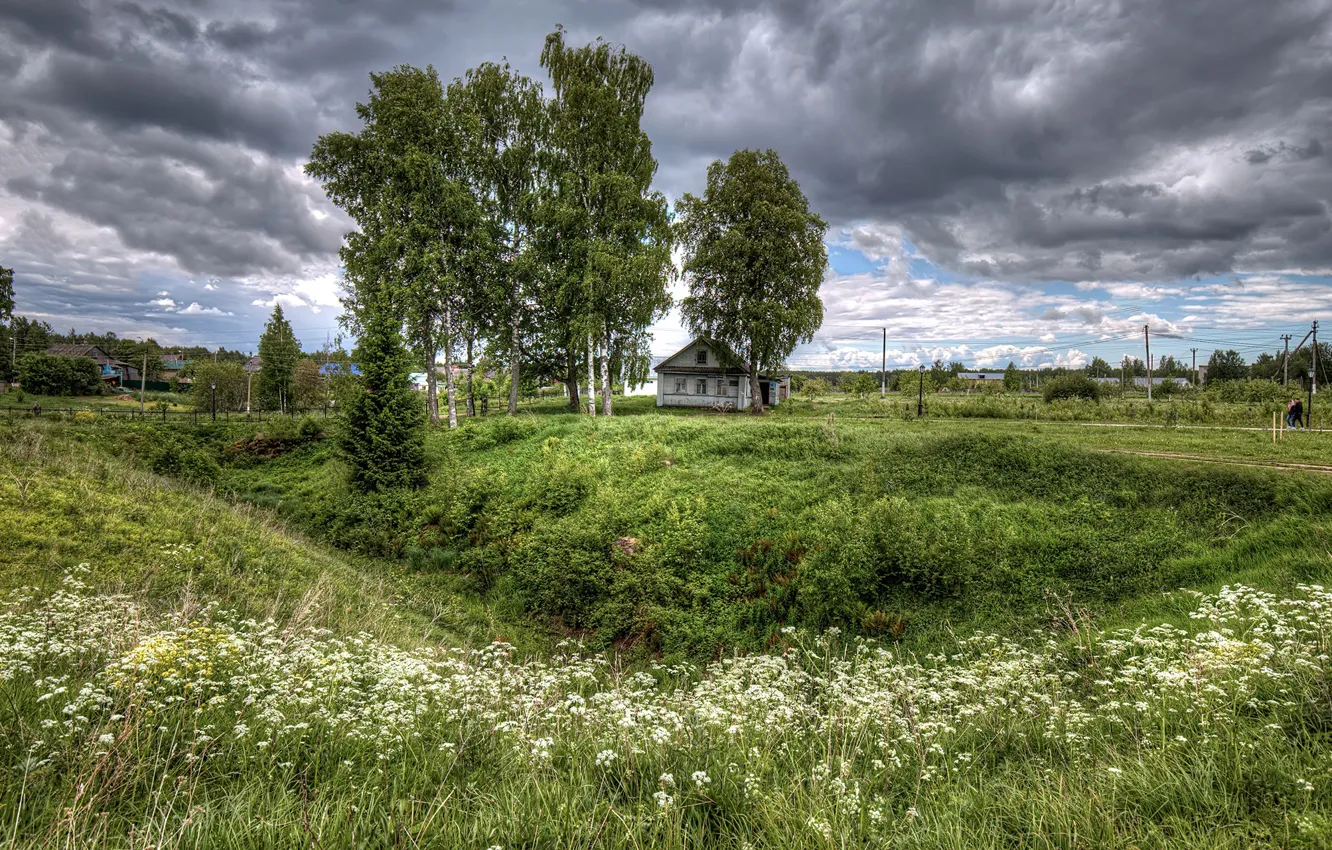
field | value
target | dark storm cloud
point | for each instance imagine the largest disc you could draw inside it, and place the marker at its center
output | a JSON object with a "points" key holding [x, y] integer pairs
{"points": [[1069, 140], [1017, 139]]}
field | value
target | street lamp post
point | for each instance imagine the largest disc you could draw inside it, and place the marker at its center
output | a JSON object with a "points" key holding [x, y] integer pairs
{"points": [[920, 397], [213, 389]]}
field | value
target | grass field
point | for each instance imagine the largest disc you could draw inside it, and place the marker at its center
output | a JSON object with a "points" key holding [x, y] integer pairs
{"points": [[817, 633]]}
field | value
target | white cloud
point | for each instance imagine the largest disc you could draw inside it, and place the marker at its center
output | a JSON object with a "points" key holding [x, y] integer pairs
{"points": [[195, 309], [285, 299]]}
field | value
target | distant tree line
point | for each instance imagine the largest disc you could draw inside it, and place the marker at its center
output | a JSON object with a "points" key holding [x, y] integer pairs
{"points": [[1221, 366]]}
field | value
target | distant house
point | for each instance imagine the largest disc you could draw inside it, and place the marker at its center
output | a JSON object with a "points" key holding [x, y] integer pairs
{"points": [[116, 373], [330, 369], [172, 364], [705, 374], [981, 376], [254, 364]]}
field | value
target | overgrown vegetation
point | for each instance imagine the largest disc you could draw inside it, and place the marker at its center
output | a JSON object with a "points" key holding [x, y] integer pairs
{"points": [[274, 693], [688, 537]]}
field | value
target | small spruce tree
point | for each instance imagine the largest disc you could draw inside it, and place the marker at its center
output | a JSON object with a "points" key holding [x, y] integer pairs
{"points": [[278, 352], [384, 435], [1012, 379]]}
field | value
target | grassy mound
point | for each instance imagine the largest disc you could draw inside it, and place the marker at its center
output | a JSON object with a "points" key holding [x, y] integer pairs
{"points": [[685, 536]]}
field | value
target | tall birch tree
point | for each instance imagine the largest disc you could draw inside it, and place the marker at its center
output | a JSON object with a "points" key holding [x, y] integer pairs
{"points": [[401, 179], [504, 116], [754, 257], [615, 231]]}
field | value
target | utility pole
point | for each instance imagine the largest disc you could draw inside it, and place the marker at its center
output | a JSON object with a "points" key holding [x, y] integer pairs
{"points": [[1147, 336], [1195, 366], [1313, 375], [883, 367], [1285, 362], [143, 382], [920, 397]]}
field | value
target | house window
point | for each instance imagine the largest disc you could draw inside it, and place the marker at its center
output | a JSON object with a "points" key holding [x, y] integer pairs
{"points": [[701, 386], [735, 382], [701, 358], [680, 386]]}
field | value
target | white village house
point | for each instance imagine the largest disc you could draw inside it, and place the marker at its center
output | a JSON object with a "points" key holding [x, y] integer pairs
{"points": [[695, 376]]}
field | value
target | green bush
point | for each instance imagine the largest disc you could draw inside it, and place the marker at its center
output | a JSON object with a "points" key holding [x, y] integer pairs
{"points": [[43, 374], [310, 429], [189, 463], [1250, 391], [1071, 386]]}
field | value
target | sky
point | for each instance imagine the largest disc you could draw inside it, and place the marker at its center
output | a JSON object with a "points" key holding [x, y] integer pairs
{"points": [[1004, 180]]}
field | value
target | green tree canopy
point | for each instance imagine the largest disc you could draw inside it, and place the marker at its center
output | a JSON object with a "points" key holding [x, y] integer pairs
{"points": [[402, 179], [504, 119], [1012, 379], [1226, 366], [755, 258], [42, 374], [278, 353], [6, 295], [613, 231], [223, 383]]}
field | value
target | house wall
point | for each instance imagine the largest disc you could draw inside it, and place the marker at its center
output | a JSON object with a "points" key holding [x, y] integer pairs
{"points": [[715, 395]]}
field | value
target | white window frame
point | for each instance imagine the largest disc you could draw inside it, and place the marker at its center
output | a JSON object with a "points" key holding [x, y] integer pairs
{"points": [[700, 386], [701, 357]]}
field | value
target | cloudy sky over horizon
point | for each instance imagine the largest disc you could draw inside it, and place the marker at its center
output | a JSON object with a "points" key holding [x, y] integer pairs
{"points": [[1027, 180]]}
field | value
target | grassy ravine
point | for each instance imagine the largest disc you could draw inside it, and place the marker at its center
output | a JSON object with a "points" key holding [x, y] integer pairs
{"points": [[228, 698], [689, 536]]}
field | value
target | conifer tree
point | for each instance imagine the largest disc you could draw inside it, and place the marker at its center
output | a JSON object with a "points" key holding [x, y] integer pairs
{"points": [[278, 352], [1012, 379], [383, 437]]}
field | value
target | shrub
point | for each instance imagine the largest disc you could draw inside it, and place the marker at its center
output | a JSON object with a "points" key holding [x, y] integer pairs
{"points": [[310, 429], [196, 465], [1071, 386], [43, 374], [1250, 391]]}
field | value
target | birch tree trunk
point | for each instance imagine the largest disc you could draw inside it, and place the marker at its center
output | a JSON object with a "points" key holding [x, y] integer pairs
{"points": [[432, 381], [755, 391], [605, 375], [448, 371], [471, 398], [591, 377], [515, 345], [572, 378]]}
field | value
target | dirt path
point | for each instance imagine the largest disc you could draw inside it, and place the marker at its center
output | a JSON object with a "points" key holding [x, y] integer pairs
{"points": [[1283, 466]]}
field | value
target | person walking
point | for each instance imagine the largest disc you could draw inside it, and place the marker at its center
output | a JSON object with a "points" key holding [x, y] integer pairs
{"points": [[1296, 417]]}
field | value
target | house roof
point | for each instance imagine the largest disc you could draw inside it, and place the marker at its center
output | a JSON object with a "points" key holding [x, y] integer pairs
{"points": [[254, 364], [93, 352], [981, 376], [692, 368]]}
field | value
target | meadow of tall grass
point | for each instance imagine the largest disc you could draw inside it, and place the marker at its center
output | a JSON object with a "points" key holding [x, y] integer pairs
{"points": [[1006, 655], [200, 728]]}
